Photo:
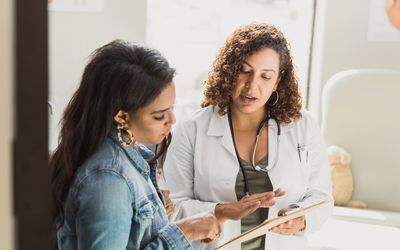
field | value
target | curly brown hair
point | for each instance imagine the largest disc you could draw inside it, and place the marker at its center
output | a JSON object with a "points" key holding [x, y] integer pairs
{"points": [[244, 42]]}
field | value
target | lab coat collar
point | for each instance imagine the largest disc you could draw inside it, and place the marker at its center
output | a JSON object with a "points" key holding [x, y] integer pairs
{"points": [[219, 126]]}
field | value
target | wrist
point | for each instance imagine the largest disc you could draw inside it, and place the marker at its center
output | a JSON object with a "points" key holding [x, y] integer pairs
{"points": [[219, 212], [185, 228]]}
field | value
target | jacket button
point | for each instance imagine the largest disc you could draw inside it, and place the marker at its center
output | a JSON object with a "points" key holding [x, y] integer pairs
{"points": [[146, 172]]}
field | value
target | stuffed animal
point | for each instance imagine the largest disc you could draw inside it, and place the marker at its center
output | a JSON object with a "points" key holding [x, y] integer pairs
{"points": [[342, 178]]}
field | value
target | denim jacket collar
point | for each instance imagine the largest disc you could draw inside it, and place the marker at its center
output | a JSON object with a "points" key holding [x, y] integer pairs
{"points": [[136, 154]]}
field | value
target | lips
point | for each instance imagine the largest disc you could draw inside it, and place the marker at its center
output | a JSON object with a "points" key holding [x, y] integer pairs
{"points": [[247, 99]]}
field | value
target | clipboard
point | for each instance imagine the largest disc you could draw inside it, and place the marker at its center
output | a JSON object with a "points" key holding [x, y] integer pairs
{"points": [[270, 223]]}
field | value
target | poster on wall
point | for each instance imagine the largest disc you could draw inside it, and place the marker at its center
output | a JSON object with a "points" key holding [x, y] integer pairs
{"points": [[76, 5], [381, 27]]}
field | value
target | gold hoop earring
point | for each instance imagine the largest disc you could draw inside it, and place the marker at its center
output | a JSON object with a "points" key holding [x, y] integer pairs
{"points": [[122, 133]]}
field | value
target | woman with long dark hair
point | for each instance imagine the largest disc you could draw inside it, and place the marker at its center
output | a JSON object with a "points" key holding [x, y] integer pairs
{"points": [[103, 179]]}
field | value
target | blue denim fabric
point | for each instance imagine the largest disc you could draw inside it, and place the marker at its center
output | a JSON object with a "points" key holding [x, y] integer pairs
{"points": [[114, 203]]}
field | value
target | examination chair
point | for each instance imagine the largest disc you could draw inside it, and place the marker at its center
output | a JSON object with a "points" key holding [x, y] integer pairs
{"points": [[361, 113]]}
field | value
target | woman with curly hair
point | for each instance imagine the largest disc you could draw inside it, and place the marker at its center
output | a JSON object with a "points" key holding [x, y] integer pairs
{"points": [[251, 152]]}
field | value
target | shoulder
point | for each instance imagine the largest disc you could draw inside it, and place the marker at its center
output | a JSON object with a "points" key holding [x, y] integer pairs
{"points": [[306, 127], [202, 115], [307, 119], [201, 118], [106, 163]]}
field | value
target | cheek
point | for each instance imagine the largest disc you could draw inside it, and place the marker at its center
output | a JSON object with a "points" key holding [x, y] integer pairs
{"points": [[148, 131], [237, 89], [267, 92], [154, 132]]}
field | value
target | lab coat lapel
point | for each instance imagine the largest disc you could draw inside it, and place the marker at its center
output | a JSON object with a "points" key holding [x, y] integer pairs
{"points": [[272, 142], [219, 126], [275, 148]]}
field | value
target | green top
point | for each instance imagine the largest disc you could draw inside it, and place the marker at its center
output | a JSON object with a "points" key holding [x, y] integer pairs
{"points": [[258, 182]]}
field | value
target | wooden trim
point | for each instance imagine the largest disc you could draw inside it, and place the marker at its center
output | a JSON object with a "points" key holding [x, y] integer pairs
{"points": [[32, 203]]}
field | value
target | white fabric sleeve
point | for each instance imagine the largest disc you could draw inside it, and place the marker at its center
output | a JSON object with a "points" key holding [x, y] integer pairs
{"points": [[179, 171]]}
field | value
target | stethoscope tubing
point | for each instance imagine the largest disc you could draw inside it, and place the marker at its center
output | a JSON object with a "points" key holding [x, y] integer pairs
{"points": [[257, 168]]}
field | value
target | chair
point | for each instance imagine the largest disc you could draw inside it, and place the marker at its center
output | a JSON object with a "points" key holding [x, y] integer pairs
{"points": [[360, 112]]}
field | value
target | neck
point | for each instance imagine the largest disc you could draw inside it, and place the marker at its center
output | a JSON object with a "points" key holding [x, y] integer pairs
{"points": [[247, 121]]}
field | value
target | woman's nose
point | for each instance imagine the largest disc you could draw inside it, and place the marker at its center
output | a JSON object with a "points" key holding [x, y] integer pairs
{"points": [[172, 118], [250, 82]]}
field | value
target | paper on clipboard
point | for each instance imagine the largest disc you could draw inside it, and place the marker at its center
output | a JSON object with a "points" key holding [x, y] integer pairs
{"points": [[267, 224]]}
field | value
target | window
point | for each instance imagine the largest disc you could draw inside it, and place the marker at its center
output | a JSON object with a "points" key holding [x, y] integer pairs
{"points": [[189, 33]]}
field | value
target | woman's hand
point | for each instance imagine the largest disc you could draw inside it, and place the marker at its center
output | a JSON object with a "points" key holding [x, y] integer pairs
{"points": [[247, 205], [204, 227], [168, 203], [290, 227]]}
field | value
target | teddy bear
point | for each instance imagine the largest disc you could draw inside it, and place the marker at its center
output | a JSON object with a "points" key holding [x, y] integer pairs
{"points": [[342, 178]]}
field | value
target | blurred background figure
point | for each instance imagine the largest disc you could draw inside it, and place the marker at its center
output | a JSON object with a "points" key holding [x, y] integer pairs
{"points": [[393, 12]]}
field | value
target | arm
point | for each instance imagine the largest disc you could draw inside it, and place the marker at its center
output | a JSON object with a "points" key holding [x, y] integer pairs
{"points": [[105, 212], [179, 174]]}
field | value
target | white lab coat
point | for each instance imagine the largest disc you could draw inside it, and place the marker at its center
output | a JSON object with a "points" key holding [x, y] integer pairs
{"points": [[201, 169]]}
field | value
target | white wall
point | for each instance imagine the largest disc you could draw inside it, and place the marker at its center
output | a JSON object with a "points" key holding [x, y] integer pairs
{"points": [[199, 29], [341, 43], [74, 35], [6, 80]]}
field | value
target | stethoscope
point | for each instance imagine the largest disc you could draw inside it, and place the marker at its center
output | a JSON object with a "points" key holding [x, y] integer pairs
{"points": [[253, 164]]}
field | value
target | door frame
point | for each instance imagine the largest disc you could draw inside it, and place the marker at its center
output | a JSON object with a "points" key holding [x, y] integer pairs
{"points": [[32, 201]]}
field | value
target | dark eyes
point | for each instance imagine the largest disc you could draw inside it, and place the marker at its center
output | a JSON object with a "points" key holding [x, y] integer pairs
{"points": [[159, 118]]}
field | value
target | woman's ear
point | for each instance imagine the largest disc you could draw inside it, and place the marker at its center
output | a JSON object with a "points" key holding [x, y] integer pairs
{"points": [[121, 117]]}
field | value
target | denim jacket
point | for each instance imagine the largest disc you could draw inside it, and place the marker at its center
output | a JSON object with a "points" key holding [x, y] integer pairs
{"points": [[114, 203]]}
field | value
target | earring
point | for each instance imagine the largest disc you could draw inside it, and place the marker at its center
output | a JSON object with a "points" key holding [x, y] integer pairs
{"points": [[122, 133], [276, 99]]}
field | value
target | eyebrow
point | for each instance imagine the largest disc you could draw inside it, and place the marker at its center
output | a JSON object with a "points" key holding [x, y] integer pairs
{"points": [[262, 69], [159, 111]]}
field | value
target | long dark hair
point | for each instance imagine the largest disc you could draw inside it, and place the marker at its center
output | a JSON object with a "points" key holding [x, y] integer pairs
{"points": [[119, 76]]}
